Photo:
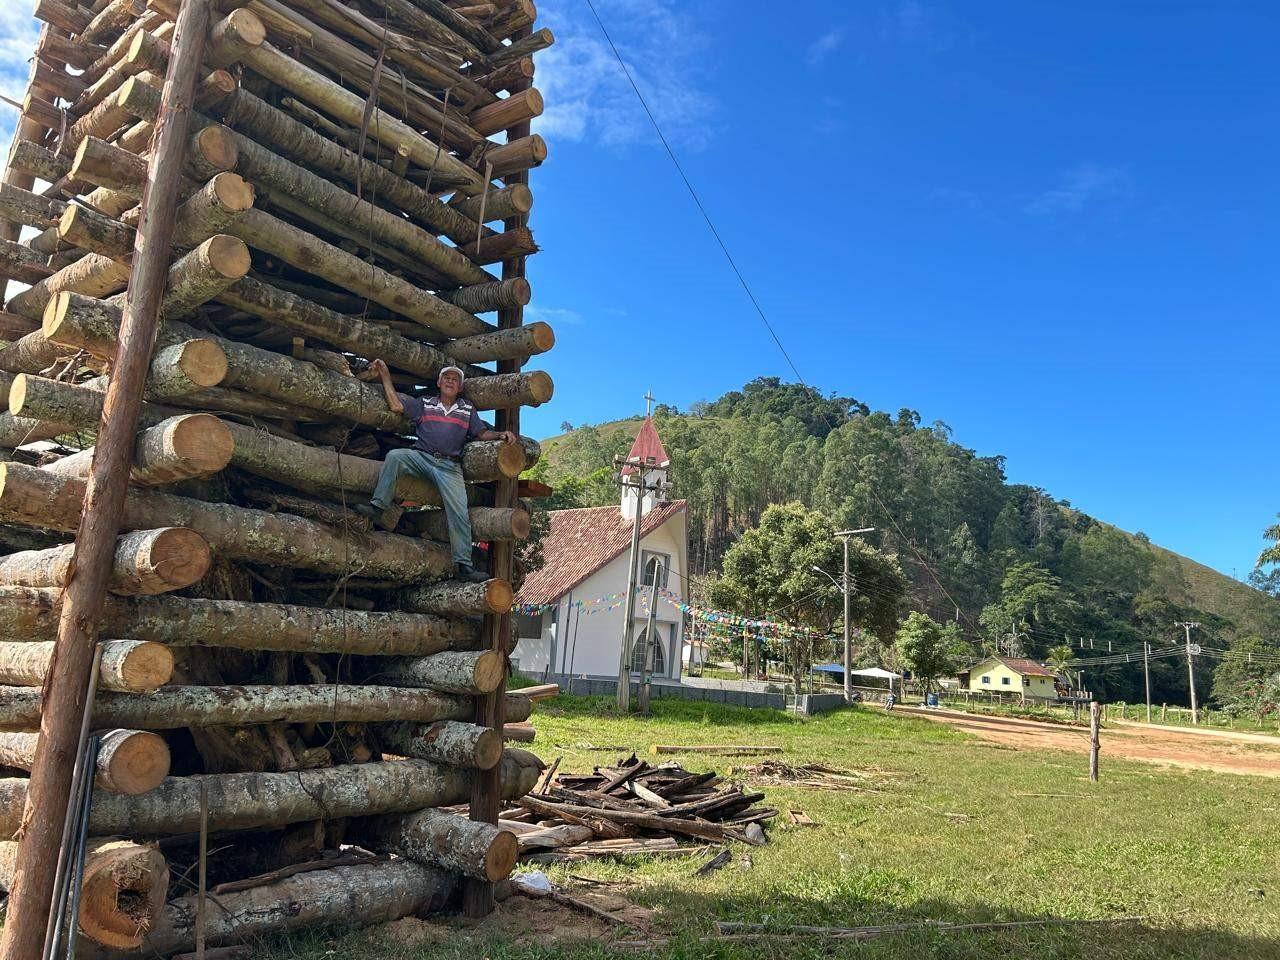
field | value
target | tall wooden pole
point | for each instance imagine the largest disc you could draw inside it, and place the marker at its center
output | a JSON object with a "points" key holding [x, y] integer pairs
{"points": [[486, 790], [64, 692], [1191, 670]]}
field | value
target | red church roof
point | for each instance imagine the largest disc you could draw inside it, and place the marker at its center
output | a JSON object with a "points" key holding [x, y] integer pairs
{"points": [[580, 542], [648, 447]]}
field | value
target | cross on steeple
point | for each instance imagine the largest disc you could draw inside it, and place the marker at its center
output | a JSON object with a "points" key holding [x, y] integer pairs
{"points": [[648, 399]]}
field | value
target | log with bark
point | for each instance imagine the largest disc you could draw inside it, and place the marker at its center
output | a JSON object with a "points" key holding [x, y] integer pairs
{"points": [[460, 598], [184, 621], [146, 562], [174, 707], [338, 896], [250, 801], [129, 761], [127, 666], [454, 671], [35, 498], [445, 840], [448, 741], [177, 448]]}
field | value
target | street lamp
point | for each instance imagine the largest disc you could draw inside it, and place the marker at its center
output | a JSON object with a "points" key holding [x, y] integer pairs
{"points": [[844, 536], [834, 582]]}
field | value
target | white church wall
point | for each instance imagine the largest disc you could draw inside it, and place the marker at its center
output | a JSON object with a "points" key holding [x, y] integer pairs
{"points": [[588, 643]]}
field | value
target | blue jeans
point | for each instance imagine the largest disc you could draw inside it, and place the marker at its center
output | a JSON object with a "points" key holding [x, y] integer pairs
{"points": [[447, 476]]}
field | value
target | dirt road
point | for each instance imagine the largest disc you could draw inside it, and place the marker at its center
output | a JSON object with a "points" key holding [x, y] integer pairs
{"points": [[1245, 754]]}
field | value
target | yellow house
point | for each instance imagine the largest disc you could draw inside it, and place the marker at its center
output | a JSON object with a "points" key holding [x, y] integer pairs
{"points": [[1013, 676]]}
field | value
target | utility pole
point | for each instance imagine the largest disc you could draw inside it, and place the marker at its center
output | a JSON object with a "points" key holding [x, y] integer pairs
{"points": [[646, 654], [1146, 674], [1188, 626], [844, 536], [637, 483]]}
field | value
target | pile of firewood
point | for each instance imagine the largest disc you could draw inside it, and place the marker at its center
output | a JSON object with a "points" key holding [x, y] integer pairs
{"points": [[631, 808], [231, 208]]}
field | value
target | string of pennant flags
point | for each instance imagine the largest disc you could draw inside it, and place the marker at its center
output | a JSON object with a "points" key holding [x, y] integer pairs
{"points": [[707, 615]]}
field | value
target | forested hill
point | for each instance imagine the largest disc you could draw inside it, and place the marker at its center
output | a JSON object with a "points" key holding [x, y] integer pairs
{"points": [[1005, 553]]}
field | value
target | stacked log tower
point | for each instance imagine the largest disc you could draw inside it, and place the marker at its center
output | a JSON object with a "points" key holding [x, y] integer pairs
{"points": [[234, 207]]}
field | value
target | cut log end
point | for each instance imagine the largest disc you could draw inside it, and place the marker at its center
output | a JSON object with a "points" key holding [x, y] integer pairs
{"points": [[488, 749], [138, 666], [17, 399], [540, 386], [228, 255], [521, 198], [489, 671], [179, 556], [511, 460], [124, 892], [521, 524], [520, 286], [202, 440], [215, 147], [59, 318], [544, 338], [202, 362], [232, 191], [132, 762], [247, 28], [500, 858], [499, 596]]}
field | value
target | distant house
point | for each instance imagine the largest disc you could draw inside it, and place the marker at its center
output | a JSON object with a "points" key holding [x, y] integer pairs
{"points": [[583, 583], [1014, 676]]}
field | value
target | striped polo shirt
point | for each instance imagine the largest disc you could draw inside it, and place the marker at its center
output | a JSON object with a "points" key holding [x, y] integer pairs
{"points": [[443, 430]]}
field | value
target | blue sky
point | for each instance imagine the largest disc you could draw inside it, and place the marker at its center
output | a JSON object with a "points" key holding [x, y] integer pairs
{"points": [[1052, 226]]}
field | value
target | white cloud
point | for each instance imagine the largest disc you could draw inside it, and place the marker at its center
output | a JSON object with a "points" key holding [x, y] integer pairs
{"points": [[589, 98], [555, 316], [1081, 186], [825, 45], [18, 34]]}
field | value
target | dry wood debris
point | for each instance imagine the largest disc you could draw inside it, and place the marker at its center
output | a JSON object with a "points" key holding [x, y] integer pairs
{"points": [[633, 808]]}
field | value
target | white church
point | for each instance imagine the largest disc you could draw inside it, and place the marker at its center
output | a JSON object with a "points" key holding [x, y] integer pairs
{"points": [[583, 581]]}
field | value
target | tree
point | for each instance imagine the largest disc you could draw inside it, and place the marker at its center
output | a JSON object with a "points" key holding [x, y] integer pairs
{"points": [[1031, 599], [768, 574], [930, 649], [1246, 680], [1058, 657], [566, 426], [1266, 575]]}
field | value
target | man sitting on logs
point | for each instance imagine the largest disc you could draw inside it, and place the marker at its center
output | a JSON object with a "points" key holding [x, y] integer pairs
{"points": [[442, 425]]}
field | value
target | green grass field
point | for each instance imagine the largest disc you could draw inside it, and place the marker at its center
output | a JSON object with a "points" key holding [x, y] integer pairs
{"points": [[952, 829]]}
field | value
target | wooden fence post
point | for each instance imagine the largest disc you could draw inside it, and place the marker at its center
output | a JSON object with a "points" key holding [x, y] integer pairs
{"points": [[1095, 728], [64, 692]]}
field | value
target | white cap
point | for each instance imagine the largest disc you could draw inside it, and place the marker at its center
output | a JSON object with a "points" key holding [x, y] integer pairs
{"points": [[458, 370]]}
